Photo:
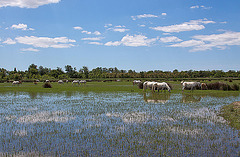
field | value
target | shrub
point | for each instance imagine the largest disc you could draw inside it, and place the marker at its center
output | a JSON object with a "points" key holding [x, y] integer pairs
{"points": [[47, 85], [235, 87], [217, 86]]}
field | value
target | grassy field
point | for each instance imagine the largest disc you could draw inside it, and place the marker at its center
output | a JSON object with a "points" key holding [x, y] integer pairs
{"points": [[123, 86]]}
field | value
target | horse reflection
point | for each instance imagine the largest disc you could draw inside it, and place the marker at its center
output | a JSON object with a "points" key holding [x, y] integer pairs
{"points": [[156, 97], [191, 98]]}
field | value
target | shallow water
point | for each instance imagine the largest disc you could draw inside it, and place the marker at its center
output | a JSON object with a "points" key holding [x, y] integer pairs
{"points": [[115, 124]]}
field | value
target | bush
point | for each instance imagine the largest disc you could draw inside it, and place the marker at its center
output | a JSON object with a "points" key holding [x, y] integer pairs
{"points": [[235, 87], [47, 85]]}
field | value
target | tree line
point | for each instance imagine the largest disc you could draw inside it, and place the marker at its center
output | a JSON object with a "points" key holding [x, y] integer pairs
{"points": [[43, 73]]}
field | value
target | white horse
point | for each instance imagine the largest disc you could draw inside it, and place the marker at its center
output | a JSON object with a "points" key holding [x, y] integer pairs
{"points": [[82, 81], [75, 82], [148, 84], [47, 81], [161, 86], [190, 85], [16, 83], [66, 81], [136, 82], [60, 82]]}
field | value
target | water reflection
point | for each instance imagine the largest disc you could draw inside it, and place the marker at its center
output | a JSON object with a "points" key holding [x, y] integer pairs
{"points": [[191, 98], [156, 97], [115, 124]]}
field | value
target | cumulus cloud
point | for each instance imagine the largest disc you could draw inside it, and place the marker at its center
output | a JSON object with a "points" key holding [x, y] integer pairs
{"points": [[208, 42], [26, 3], [170, 39], [46, 42], [9, 41], [119, 29], [186, 26], [21, 26], [133, 41], [78, 28], [94, 33], [111, 43], [143, 16]]}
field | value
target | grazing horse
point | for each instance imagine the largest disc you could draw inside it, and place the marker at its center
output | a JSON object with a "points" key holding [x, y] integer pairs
{"points": [[161, 86], [136, 82], [60, 81], [190, 85], [148, 84], [204, 86], [82, 82], [16, 83], [76, 82]]}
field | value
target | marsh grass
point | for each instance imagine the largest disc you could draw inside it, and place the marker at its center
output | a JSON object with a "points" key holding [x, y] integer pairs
{"points": [[231, 113]]}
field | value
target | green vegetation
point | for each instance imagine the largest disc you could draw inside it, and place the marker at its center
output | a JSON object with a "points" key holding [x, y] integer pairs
{"points": [[232, 114], [40, 73]]}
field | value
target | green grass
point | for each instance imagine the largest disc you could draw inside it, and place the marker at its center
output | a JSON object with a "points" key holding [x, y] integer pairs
{"points": [[232, 114], [123, 86]]}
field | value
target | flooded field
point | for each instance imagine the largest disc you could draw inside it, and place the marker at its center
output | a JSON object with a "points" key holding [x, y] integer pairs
{"points": [[115, 124]]}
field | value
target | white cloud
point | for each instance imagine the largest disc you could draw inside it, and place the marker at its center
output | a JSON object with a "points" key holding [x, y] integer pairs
{"points": [[108, 25], [143, 16], [95, 43], [208, 42], [170, 39], [134, 41], [26, 3], [202, 7], [93, 39], [78, 28], [115, 43], [46, 42], [95, 33], [186, 26], [30, 49], [9, 41], [194, 7], [189, 43], [119, 29], [21, 26]]}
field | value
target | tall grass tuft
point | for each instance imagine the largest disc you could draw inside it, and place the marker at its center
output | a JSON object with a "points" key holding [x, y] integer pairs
{"points": [[235, 87], [140, 85], [47, 85]]}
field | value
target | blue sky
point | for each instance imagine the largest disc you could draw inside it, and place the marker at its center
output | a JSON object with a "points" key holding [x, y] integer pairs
{"points": [[140, 35]]}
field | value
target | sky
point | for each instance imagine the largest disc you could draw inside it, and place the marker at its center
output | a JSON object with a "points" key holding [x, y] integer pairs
{"points": [[140, 35]]}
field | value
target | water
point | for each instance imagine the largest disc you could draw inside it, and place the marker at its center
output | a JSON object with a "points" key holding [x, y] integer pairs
{"points": [[115, 124]]}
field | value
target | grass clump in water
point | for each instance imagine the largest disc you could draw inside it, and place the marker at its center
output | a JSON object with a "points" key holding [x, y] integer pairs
{"points": [[232, 114], [47, 85]]}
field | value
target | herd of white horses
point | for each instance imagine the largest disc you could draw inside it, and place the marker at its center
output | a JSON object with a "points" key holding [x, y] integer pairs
{"points": [[78, 82], [152, 85]]}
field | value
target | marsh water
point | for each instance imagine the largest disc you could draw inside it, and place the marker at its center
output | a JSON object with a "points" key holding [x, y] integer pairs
{"points": [[115, 124]]}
